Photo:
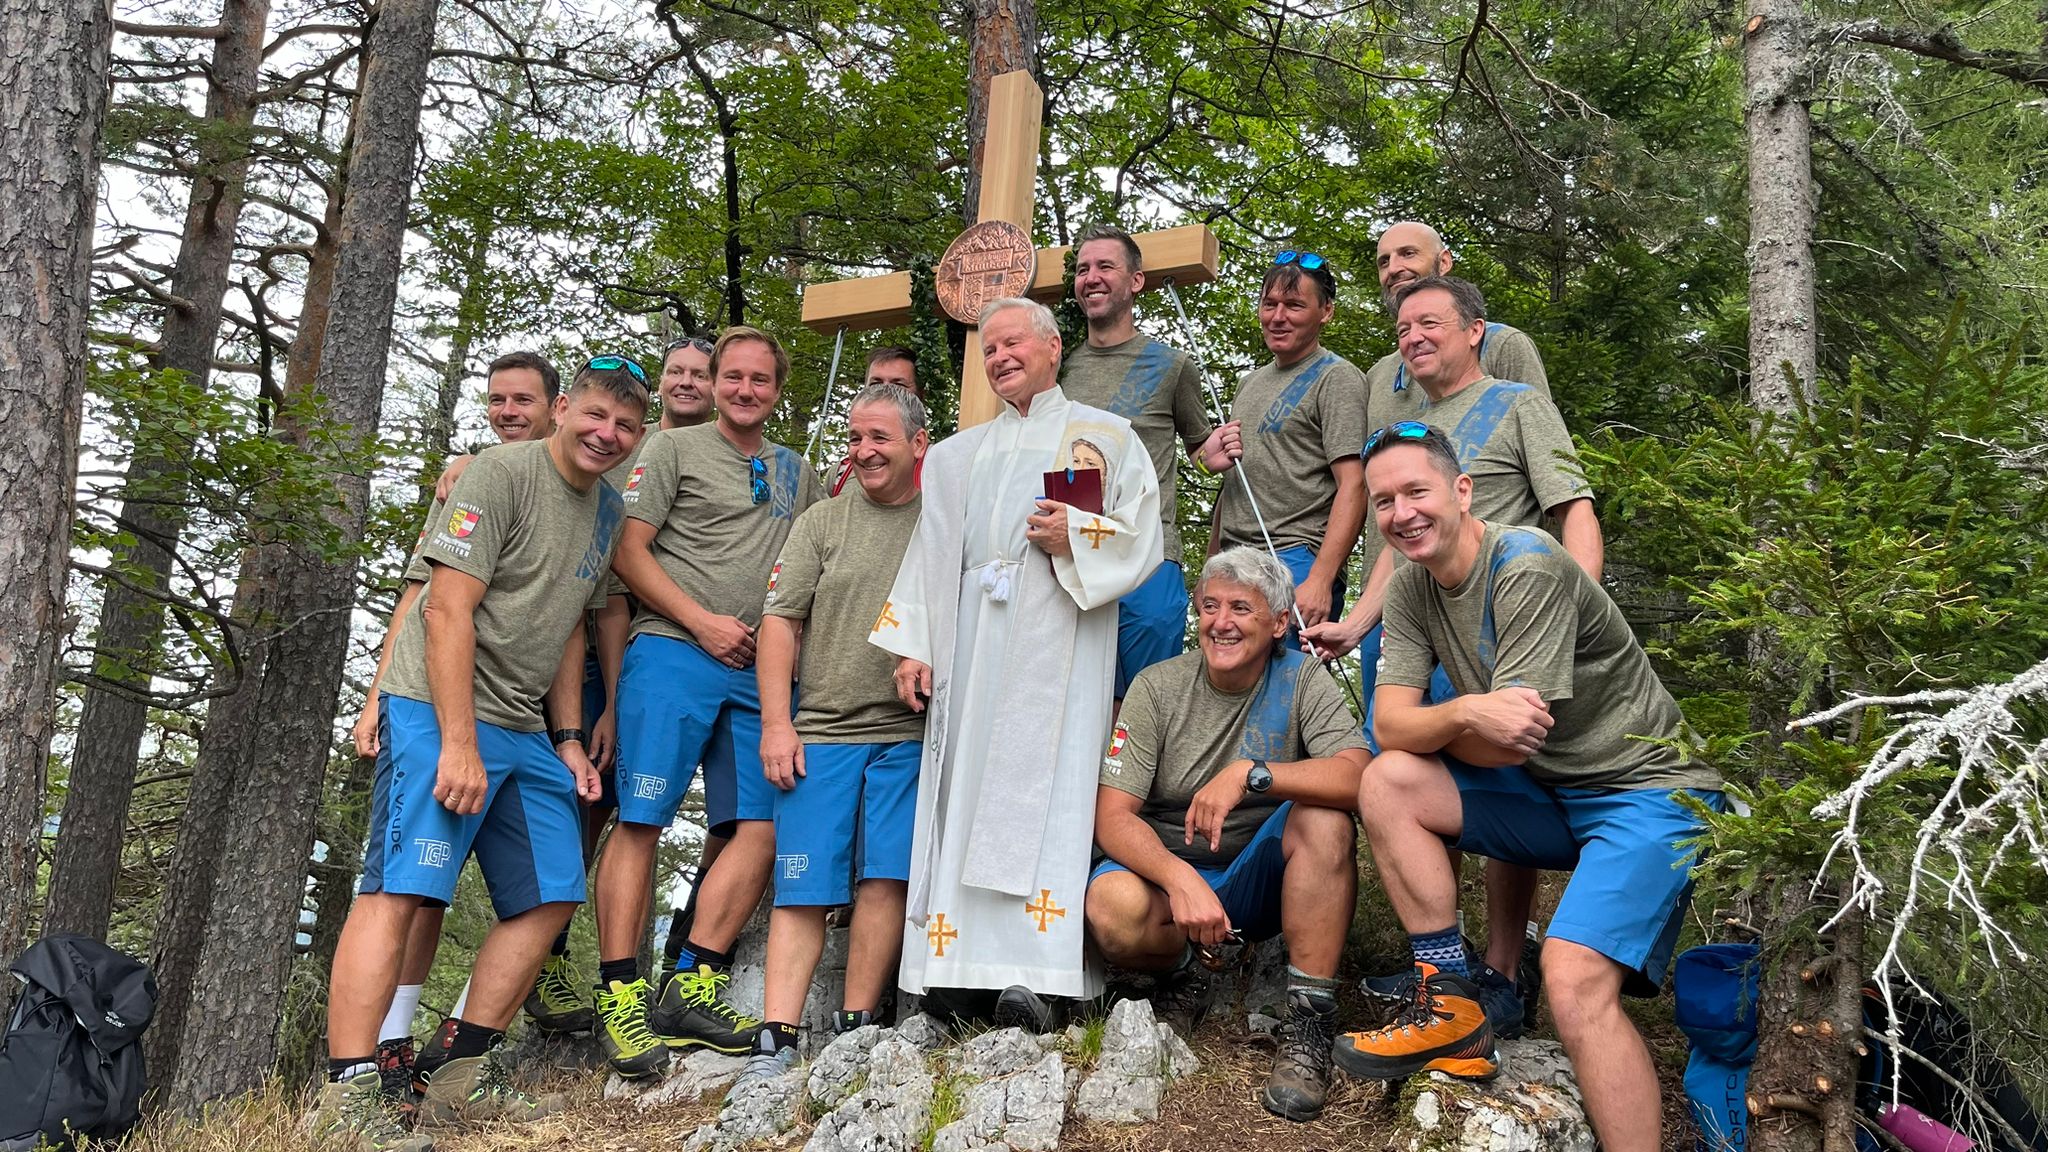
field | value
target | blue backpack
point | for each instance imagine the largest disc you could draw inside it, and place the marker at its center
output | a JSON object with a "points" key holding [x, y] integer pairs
{"points": [[1715, 989]]}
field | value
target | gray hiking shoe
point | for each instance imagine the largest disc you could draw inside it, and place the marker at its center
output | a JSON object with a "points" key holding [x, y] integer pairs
{"points": [[478, 1090], [357, 1114], [765, 1063], [1183, 998]]}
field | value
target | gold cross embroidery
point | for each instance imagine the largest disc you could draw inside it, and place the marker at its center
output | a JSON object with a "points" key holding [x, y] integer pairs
{"points": [[885, 617], [940, 935], [1097, 532], [1044, 909]]}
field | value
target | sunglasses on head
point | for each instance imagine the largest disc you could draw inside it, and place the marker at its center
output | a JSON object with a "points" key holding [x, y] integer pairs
{"points": [[1309, 261], [1403, 430], [614, 363], [757, 471], [697, 342]]}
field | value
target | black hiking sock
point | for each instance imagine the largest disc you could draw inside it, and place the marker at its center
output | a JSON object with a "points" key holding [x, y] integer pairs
{"points": [[454, 1040], [561, 945], [350, 1067], [617, 971], [775, 1036], [702, 957]]}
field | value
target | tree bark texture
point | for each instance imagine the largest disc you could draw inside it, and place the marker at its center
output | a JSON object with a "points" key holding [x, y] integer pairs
{"points": [[1783, 338], [1802, 1085], [1004, 39], [53, 100], [230, 1028], [227, 740], [86, 865]]}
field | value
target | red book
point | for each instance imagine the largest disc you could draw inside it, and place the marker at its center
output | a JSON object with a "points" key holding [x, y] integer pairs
{"points": [[1078, 488]]}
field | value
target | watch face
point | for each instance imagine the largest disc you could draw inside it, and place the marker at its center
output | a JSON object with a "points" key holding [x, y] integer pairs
{"points": [[1259, 778]]}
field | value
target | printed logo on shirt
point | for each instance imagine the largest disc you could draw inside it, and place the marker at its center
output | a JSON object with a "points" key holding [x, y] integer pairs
{"points": [[434, 853], [1113, 759], [463, 521], [632, 493], [793, 867], [774, 574]]}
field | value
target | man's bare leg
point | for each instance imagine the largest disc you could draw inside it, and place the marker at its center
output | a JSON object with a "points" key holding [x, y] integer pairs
{"points": [[1510, 895], [875, 942], [1319, 889], [1411, 808], [625, 883], [366, 965], [1607, 1053], [510, 958], [733, 885], [796, 939], [1132, 923]]}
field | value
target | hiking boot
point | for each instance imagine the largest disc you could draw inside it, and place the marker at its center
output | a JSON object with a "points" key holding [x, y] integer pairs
{"points": [[630, 1046], [1443, 1029], [478, 1090], [764, 1062], [693, 1013], [556, 1003], [1301, 1072], [395, 1061], [1529, 974], [844, 1021], [1502, 1002], [357, 1114], [1183, 998], [1020, 1007]]}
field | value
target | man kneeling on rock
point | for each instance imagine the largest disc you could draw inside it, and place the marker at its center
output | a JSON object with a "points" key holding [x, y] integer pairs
{"points": [[1225, 813], [1562, 750]]}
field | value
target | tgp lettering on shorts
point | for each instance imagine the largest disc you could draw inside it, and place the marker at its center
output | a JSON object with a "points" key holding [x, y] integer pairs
{"points": [[648, 787], [433, 853], [793, 867]]}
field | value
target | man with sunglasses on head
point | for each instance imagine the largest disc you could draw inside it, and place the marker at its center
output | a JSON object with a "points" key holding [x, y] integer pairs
{"points": [[1513, 444], [467, 762], [1295, 427], [1159, 390], [1224, 808], [1561, 750], [887, 364], [708, 510]]}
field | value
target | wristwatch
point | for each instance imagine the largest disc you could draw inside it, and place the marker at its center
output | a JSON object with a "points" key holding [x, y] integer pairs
{"points": [[561, 736], [1259, 778]]}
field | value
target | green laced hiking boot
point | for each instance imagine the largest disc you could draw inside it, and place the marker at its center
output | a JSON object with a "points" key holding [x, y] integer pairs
{"points": [[358, 1115], [478, 1090], [692, 1013], [630, 1046], [556, 1003]]}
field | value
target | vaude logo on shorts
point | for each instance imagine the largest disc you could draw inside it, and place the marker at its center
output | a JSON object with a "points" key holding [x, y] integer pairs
{"points": [[433, 853], [648, 787], [793, 867]]}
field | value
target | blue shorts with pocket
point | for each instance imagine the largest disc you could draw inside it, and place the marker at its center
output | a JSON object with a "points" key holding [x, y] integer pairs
{"points": [[1631, 876], [1249, 886], [678, 708], [1151, 624], [1299, 558], [850, 795], [528, 839]]}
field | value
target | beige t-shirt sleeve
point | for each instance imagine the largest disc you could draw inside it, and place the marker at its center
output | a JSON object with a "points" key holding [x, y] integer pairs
{"points": [[1536, 628], [1340, 400], [793, 582], [1190, 414], [1549, 458], [651, 488], [1326, 723], [1406, 657], [475, 523], [1133, 756], [1515, 358]]}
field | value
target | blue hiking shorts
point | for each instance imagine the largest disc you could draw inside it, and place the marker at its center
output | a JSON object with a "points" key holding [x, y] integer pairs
{"points": [[1151, 624], [1299, 558], [528, 839], [849, 794], [1249, 886], [1631, 875], [678, 708]]}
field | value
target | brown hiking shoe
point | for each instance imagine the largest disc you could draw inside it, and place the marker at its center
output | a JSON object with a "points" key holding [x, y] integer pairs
{"points": [[1301, 1072], [356, 1114], [478, 1090]]}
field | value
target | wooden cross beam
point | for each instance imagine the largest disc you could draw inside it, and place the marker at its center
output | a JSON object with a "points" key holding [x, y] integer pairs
{"points": [[1009, 179]]}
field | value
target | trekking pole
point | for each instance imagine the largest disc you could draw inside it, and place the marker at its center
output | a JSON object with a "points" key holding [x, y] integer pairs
{"points": [[825, 405], [1187, 329]]}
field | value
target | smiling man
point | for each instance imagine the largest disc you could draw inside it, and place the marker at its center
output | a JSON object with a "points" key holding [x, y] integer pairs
{"points": [[1003, 622], [1561, 750], [1224, 809], [1295, 427], [1159, 390], [465, 761], [1409, 251], [708, 509]]}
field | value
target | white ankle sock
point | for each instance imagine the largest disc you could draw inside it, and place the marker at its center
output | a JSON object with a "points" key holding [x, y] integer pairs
{"points": [[405, 1002]]}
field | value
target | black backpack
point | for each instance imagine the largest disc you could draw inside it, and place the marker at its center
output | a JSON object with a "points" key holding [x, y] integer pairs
{"points": [[70, 1065]]}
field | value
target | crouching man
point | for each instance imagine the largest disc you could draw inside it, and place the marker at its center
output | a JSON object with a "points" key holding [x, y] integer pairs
{"points": [[1561, 751], [1225, 812], [465, 762]]}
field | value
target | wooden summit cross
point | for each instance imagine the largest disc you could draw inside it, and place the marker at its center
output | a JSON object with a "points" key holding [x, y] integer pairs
{"points": [[1009, 178]]}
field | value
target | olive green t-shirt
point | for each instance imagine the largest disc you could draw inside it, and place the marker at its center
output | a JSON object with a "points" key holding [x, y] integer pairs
{"points": [[1528, 616], [711, 538], [1159, 390], [542, 549], [1505, 353], [1177, 731], [835, 573], [1297, 420], [1511, 440]]}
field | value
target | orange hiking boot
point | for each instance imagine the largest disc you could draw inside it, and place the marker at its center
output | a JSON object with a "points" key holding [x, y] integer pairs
{"points": [[1443, 1029]]}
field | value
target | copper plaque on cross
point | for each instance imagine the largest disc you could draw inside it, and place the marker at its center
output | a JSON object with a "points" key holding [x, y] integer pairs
{"points": [[989, 261]]}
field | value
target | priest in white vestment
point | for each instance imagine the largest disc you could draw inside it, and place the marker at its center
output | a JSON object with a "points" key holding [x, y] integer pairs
{"points": [[1003, 618]]}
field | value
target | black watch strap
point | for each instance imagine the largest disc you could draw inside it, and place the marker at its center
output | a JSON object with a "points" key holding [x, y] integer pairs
{"points": [[561, 736]]}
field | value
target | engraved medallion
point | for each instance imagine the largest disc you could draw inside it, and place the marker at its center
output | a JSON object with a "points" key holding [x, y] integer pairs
{"points": [[989, 261]]}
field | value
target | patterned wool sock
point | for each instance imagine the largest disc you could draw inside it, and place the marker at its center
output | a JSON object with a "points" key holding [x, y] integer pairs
{"points": [[350, 1067], [1320, 990], [1443, 948]]}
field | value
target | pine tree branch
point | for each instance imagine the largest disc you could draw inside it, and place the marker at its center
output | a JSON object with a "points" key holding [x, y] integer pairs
{"points": [[1943, 44]]}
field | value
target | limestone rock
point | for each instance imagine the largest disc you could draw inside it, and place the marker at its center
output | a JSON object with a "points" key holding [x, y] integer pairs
{"points": [[924, 1030], [754, 1111], [1000, 1053], [1533, 1106], [1140, 1056], [837, 1069], [1180, 1059], [888, 1114], [1020, 1112], [1261, 1024], [692, 1078]]}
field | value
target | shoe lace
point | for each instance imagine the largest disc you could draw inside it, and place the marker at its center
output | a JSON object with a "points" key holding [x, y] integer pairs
{"points": [[556, 986], [625, 1014], [495, 1083], [372, 1113], [707, 991], [1421, 1013], [763, 1066], [1309, 1040]]}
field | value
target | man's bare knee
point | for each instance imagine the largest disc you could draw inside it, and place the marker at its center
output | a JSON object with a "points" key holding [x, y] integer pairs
{"points": [[1321, 838], [1389, 789], [1118, 909], [1581, 985]]}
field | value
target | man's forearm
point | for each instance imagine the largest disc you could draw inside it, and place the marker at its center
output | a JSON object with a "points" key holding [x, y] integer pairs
{"points": [[1373, 598], [1579, 526], [775, 652], [1426, 729], [451, 672], [1323, 782], [405, 602], [614, 624], [1347, 517], [644, 577], [565, 692], [1128, 840]]}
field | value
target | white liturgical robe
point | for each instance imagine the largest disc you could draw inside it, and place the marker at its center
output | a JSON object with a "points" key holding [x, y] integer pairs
{"points": [[1022, 647]]}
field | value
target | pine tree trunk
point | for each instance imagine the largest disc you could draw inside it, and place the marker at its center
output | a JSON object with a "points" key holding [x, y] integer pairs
{"points": [[1776, 64], [87, 862], [1004, 39], [53, 99], [230, 1029], [1802, 1085]]}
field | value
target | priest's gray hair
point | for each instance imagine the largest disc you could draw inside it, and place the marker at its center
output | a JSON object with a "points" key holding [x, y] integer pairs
{"points": [[1252, 568], [1042, 322], [902, 399]]}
